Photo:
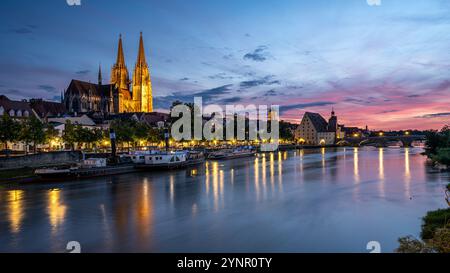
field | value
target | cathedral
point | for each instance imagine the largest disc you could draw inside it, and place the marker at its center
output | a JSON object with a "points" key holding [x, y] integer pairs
{"points": [[119, 96]]}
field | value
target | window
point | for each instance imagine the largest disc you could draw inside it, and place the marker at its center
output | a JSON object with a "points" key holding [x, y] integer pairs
{"points": [[26, 113], [19, 113], [2, 111], [11, 113]]}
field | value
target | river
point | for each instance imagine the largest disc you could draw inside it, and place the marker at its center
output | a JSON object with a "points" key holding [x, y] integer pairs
{"points": [[324, 200]]}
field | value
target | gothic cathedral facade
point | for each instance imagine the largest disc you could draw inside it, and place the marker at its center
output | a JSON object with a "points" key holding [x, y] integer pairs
{"points": [[116, 97]]}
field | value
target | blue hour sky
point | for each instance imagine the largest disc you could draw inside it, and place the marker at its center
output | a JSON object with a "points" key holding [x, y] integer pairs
{"points": [[387, 66]]}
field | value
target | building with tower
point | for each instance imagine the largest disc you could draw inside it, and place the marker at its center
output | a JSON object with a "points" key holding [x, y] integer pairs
{"points": [[315, 130], [121, 95]]}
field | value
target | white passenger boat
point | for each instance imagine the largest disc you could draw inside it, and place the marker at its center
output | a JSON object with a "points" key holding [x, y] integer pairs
{"points": [[170, 160]]}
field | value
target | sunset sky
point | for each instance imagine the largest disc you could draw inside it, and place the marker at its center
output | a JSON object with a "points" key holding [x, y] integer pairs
{"points": [[386, 66]]}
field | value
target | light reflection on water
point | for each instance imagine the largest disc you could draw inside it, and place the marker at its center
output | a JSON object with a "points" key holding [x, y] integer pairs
{"points": [[298, 201]]}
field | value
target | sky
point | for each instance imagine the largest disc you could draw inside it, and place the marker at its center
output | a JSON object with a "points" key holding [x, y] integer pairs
{"points": [[386, 66]]}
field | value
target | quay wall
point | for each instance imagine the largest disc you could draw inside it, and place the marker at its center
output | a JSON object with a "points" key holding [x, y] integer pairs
{"points": [[40, 160]]}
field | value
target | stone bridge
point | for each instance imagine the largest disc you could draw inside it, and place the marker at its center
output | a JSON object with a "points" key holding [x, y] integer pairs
{"points": [[381, 141]]}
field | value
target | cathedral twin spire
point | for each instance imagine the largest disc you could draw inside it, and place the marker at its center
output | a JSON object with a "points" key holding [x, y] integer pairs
{"points": [[142, 90]]}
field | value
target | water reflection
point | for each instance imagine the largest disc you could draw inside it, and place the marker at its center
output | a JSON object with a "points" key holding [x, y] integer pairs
{"points": [[15, 209], [407, 174], [381, 171], [56, 209], [356, 164], [281, 201]]}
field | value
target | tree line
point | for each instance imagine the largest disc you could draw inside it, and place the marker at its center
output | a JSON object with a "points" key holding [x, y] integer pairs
{"points": [[437, 146], [32, 131]]}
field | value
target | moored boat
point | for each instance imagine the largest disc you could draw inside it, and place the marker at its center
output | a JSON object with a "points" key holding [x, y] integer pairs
{"points": [[93, 167], [171, 160], [247, 151]]}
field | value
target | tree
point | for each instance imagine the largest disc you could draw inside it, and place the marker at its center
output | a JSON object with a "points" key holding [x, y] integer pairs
{"points": [[123, 130], [50, 133], [9, 130], [140, 132], [32, 131], [436, 140], [155, 135], [69, 135]]}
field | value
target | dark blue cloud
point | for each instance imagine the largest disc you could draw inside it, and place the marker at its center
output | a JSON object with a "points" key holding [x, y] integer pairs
{"points": [[83, 72], [212, 95], [271, 93], [300, 106], [435, 115], [221, 76], [267, 80], [258, 55], [47, 88]]}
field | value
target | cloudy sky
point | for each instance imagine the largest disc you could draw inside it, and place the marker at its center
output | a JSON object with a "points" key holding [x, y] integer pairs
{"points": [[386, 66]]}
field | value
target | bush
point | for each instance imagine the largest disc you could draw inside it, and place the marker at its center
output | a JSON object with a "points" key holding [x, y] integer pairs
{"points": [[410, 244], [433, 221], [441, 240], [442, 156]]}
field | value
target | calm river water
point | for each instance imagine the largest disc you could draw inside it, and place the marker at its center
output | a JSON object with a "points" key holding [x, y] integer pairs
{"points": [[334, 200]]}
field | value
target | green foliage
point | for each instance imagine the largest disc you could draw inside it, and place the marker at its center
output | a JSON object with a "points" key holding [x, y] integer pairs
{"points": [[286, 130], [410, 244], [32, 131], [435, 235], [441, 240], [442, 156], [438, 146], [69, 136], [124, 130], [437, 140], [9, 130], [50, 133], [434, 220], [155, 135], [131, 131]]}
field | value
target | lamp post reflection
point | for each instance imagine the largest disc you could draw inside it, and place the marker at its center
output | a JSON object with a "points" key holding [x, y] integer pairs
{"points": [[256, 170], [381, 170], [15, 209], [407, 174], [355, 165], [56, 209]]}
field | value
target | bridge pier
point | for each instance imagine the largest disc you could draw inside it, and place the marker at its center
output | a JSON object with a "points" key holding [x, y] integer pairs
{"points": [[407, 143]]}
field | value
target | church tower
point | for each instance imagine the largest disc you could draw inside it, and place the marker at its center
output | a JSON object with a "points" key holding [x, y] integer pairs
{"points": [[142, 86], [119, 73]]}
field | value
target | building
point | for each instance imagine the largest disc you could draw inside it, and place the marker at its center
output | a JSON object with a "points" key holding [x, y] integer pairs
{"points": [[45, 109], [315, 130], [15, 109], [117, 96]]}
